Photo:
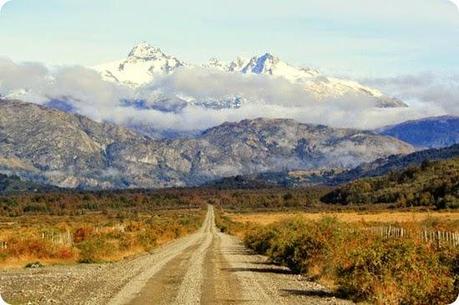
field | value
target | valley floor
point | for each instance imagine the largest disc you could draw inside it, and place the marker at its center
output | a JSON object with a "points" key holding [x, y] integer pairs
{"points": [[207, 267]]}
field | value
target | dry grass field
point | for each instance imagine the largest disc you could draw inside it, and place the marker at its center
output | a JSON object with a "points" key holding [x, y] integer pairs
{"points": [[368, 217], [94, 237]]}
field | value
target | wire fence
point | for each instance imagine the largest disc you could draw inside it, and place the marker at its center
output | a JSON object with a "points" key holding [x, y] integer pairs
{"points": [[439, 237], [67, 238]]}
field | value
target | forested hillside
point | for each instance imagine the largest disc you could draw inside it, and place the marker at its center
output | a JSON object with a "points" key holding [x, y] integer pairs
{"points": [[394, 163], [13, 184], [434, 183]]}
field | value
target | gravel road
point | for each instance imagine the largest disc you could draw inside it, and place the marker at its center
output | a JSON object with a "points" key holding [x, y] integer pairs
{"points": [[207, 267]]}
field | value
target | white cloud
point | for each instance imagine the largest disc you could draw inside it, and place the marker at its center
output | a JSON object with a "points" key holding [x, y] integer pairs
{"points": [[455, 2], [427, 94], [2, 3]]}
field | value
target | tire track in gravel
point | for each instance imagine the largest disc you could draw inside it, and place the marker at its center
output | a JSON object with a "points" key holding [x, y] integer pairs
{"points": [[221, 286], [139, 285], [162, 288], [190, 290], [262, 283]]}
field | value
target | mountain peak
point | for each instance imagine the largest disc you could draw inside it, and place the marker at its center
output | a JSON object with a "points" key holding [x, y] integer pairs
{"points": [[145, 50], [268, 56], [265, 63], [238, 64], [144, 62], [215, 63]]}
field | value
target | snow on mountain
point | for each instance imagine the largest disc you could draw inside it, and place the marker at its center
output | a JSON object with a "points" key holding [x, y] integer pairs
{"points": [[238, 64], [319, 86], [143, 63], [267, 64], [146, 62], [216, 64]]}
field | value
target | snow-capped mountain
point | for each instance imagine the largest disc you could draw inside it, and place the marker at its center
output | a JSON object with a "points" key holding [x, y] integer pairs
{"points": [[316, 84], [141, 66], [268, 64], [216, 64], [145, 63]]}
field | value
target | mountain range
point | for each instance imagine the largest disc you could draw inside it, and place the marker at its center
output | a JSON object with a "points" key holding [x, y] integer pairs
{"points": [[146, 63], [49, 146], [54, 144], [152, 93]]}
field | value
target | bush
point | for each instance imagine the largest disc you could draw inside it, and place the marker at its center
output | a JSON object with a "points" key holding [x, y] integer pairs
{"points": [[364, 267], [261, 240], [95, 250], [395, 271]]}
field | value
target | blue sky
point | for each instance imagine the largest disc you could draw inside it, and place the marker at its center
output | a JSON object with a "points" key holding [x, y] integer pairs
{"points": [[354, 37]]}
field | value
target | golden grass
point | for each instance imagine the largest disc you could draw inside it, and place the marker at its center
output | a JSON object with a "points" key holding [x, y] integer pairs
{"points": [[379, 217], [95, 237]]}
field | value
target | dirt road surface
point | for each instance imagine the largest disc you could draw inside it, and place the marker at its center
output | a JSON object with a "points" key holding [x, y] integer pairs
{"points": [[207, 267]]}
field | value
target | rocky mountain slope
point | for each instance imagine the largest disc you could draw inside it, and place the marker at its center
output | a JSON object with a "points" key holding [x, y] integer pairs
{"points": [[145, 63], [434, 132], [50, 146]]}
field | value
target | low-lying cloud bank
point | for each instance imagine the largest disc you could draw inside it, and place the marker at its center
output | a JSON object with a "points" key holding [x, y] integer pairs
{"points": [[85, 92], [438, 92]]}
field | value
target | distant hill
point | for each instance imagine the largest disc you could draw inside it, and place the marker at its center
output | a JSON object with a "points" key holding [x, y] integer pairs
{"points": [[335, 177], [288, 179], [393, 163], [283, 179], [434, 132], [432, 183], [240, 182]]}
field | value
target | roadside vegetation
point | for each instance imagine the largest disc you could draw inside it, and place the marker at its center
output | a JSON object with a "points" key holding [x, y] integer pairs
{"points": [[95, 238], [357, 261], [92, 227]]}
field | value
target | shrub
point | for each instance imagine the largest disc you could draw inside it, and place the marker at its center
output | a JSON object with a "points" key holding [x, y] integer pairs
{"points": [[364, 266], [396, 271], [261, 240], [95, 250]]}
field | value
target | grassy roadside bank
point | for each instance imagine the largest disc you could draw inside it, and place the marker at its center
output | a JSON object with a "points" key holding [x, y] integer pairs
{"points": [[92, 238], [355, 261]]}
